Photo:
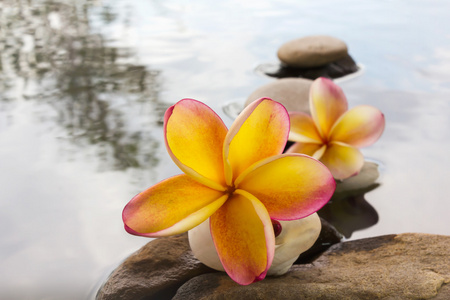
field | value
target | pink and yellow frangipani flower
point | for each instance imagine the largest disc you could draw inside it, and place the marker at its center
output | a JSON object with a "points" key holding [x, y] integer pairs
{"points": [[238, 178], [333, 134]]}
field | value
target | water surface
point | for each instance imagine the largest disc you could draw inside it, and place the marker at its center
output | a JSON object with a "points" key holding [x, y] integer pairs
{"points": [[84, 85]]}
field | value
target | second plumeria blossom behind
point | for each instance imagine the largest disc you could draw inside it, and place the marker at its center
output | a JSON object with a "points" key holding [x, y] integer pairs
{"points": [[333, 134], [236, 178]]}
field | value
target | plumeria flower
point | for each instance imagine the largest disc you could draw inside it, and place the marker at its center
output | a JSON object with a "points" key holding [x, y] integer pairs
{"points": [[237, 178], [333, 134], [291, 239]]}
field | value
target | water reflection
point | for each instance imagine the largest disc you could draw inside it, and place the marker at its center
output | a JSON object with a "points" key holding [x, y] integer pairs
{"points": [[348, 211], [112, 106], [349, 214], [99, 94], [336, 69]]}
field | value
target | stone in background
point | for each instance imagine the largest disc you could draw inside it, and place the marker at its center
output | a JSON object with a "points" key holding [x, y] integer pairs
{"points": [[312, 57]]}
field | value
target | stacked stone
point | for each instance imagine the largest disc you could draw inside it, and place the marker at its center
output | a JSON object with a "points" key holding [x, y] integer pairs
{"points": [[312, 57], [304, 60]]}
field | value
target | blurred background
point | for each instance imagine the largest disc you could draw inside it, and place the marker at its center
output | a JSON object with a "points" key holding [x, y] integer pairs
{"points": [[84, 86]]}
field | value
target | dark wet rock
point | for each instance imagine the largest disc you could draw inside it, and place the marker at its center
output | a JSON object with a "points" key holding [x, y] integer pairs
{"points": [[335, 69], [293, 93], [328, 237], [156, 271], [312, 51], [404, 266]]}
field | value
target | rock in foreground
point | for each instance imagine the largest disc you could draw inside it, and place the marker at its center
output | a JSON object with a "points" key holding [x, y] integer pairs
{"points": [[160, 267], [405, 266], [156, 271]]}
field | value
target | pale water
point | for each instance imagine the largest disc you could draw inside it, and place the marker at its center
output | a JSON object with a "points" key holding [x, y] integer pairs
{"points": [[84, 85]]}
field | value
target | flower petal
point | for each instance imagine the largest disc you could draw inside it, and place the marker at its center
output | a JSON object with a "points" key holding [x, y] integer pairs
{"points": [[295, 238], [327, 103], [260, 131], [172, 206], [194, 137], [342, 160], [359, 127], [303, 128], [291, 186], [305, 148], [243, 235]]}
